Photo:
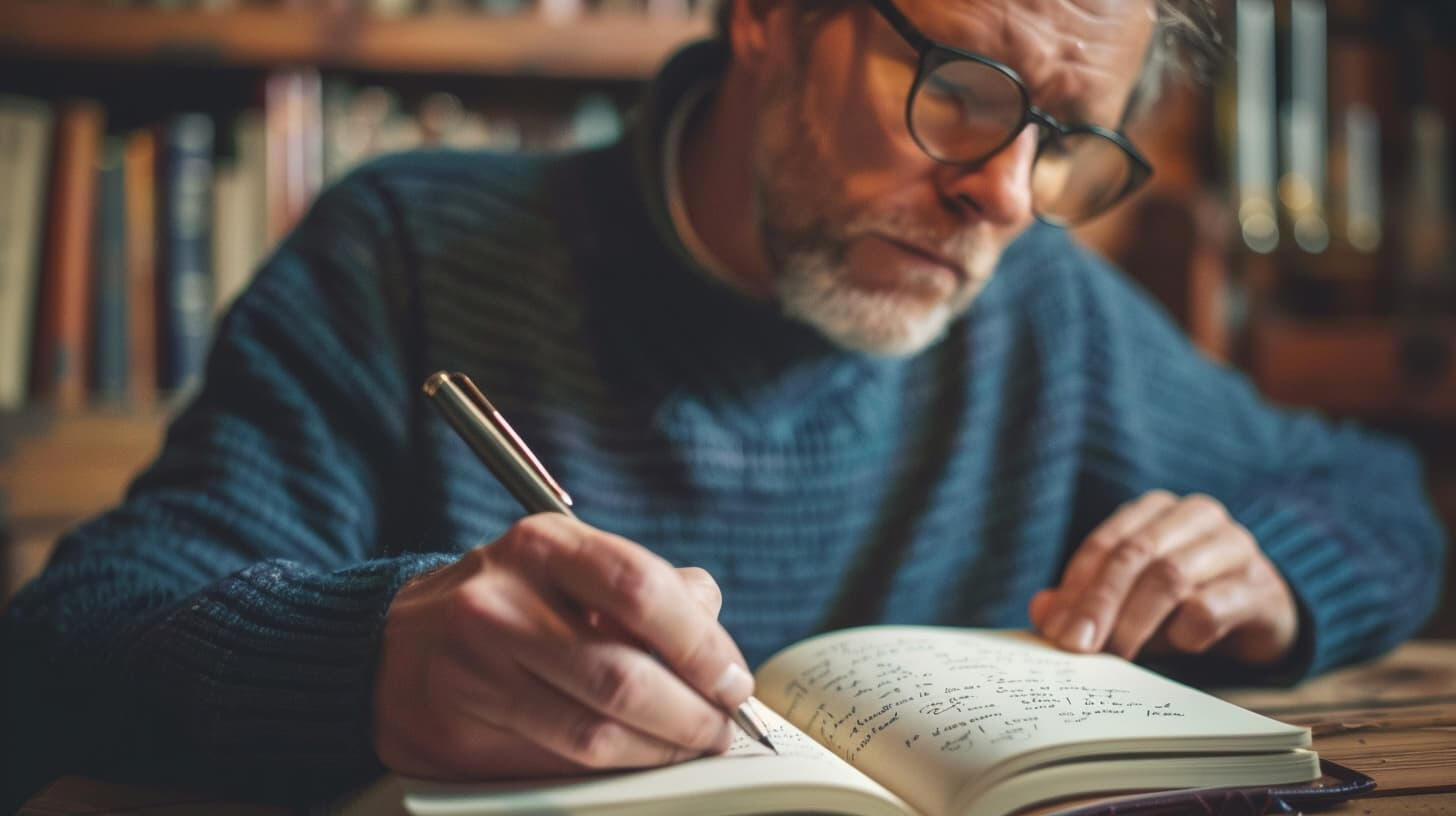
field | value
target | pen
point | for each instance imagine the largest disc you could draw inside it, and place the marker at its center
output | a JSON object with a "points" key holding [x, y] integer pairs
{"points": [[510, 461]]}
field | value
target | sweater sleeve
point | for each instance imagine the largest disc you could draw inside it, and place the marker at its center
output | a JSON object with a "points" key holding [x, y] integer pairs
{"points": [[1341, 511], [220, 625]]}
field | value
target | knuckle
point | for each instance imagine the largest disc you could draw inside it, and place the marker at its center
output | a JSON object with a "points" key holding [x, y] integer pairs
{"points": [[592, 740], [1134, 551], [1101, 542], [1244, 539], [532, 533], [1098, 599], [704, 582], [1159, 496], [617, 685], [1169, 577], [1200, 624], [635, 586], [470, 609], [1206, 505]]}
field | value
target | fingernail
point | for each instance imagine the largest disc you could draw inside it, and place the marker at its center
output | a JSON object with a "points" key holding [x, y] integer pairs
{"points": [[1079, 635], [733, 686]]}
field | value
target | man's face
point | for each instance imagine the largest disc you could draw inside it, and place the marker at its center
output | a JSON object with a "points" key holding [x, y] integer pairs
{"points": [[870, 240]]}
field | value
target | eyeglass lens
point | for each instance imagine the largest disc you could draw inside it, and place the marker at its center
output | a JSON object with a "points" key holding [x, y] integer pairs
{"points": [[964, 111]]}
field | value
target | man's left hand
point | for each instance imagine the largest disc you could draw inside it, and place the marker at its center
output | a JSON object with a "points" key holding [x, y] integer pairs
{"points": [[1172, 574]]}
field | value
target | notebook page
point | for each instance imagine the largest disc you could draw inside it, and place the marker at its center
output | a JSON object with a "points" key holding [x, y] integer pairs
{"points": [[689, 786], [925, 710]]}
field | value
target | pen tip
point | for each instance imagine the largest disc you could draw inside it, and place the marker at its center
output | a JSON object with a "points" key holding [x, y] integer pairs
{"points": [[767, 744]]}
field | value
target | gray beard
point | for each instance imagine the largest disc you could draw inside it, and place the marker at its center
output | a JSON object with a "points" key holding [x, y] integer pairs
{"points": [[807, 250], [813, 286]]}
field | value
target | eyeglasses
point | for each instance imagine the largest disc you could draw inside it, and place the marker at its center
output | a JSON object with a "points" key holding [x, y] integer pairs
{"points": [[964, 108]]}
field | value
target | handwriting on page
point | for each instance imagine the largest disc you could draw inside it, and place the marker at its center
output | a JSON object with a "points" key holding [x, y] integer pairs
{"points": [[931, 696], [787, 740]]}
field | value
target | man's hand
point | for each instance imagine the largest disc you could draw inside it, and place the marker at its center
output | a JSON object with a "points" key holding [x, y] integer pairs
{"points": [[1172, 574], [556, 648]]}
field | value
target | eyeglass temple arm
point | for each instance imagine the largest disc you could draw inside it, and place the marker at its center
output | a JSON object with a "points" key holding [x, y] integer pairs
{"points": [[902, 24]]}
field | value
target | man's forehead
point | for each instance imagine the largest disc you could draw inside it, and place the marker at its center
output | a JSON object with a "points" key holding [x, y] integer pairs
{"points": [[1096, 20], [1054, 44]]}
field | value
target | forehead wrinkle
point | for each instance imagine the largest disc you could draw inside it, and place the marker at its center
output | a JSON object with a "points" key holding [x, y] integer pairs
{"points": [[1059, 48], [1062, 48]]}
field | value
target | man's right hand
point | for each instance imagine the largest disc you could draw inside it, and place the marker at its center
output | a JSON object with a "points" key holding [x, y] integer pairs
{"points": [[555, 648]]}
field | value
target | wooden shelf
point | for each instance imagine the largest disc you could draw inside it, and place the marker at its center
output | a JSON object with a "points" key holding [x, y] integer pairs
{"points": [[57, 470], [1363, 368], [594, 46]]}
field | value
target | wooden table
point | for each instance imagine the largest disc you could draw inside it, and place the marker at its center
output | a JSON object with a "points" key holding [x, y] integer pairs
{"points": [[1394, 719]]}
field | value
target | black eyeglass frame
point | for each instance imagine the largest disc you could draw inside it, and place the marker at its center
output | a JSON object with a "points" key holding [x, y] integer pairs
{"points": [[932, 55]]}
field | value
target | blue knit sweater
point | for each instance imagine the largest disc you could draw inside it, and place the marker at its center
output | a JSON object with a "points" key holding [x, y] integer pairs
{"points": [[221, 625]]}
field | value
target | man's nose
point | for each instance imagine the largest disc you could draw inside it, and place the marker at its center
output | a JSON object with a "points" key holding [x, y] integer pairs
{"points": [[996, 190]]}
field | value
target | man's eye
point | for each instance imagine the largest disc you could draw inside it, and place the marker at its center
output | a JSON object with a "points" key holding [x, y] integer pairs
{"points": [[952, 100], [1055, 148], [947, 92]]}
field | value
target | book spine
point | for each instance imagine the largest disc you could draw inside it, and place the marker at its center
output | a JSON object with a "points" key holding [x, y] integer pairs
{"points": [[25, 126], [61, 342], [294, 129], [184, 291], [231, 255], [140, 179], [109, 353]]}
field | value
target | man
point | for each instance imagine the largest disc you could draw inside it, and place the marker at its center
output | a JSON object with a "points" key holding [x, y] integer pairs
{"points": [[761, 343]]}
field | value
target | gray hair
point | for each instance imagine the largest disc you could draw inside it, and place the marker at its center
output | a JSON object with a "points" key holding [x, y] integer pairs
{"points": [[1186, 44]]}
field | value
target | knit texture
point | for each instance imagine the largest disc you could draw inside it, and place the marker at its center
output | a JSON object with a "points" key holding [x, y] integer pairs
{"points": [[221, 625]]}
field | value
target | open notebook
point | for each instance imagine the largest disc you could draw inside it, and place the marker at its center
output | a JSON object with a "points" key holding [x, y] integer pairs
{"points": [[923, 720]]}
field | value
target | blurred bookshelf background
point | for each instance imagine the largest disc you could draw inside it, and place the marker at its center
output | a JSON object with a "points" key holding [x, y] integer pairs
{"points": [[153, 151]]}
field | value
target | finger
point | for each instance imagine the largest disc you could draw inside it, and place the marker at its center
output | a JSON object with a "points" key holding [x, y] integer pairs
{"points": [[1087, 559], [1133, 515], [1040, 607], [1171, 579], [586, 736], [1251, 617], [536, 644], [1209, 615], [701, 584], [1094, 609], [636, 589], [623, 683], [469, 737]]}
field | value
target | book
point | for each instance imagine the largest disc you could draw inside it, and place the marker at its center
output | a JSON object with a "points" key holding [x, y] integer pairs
{"points": [[184, 279], [63, 328], [293, 129], [110, 357], [25, 126], [923, 720], [139, 178]]}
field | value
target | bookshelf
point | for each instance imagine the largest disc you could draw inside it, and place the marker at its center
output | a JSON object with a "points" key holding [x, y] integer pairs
{"points": [[593, 46], [511, 80], [1335, 137]]}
